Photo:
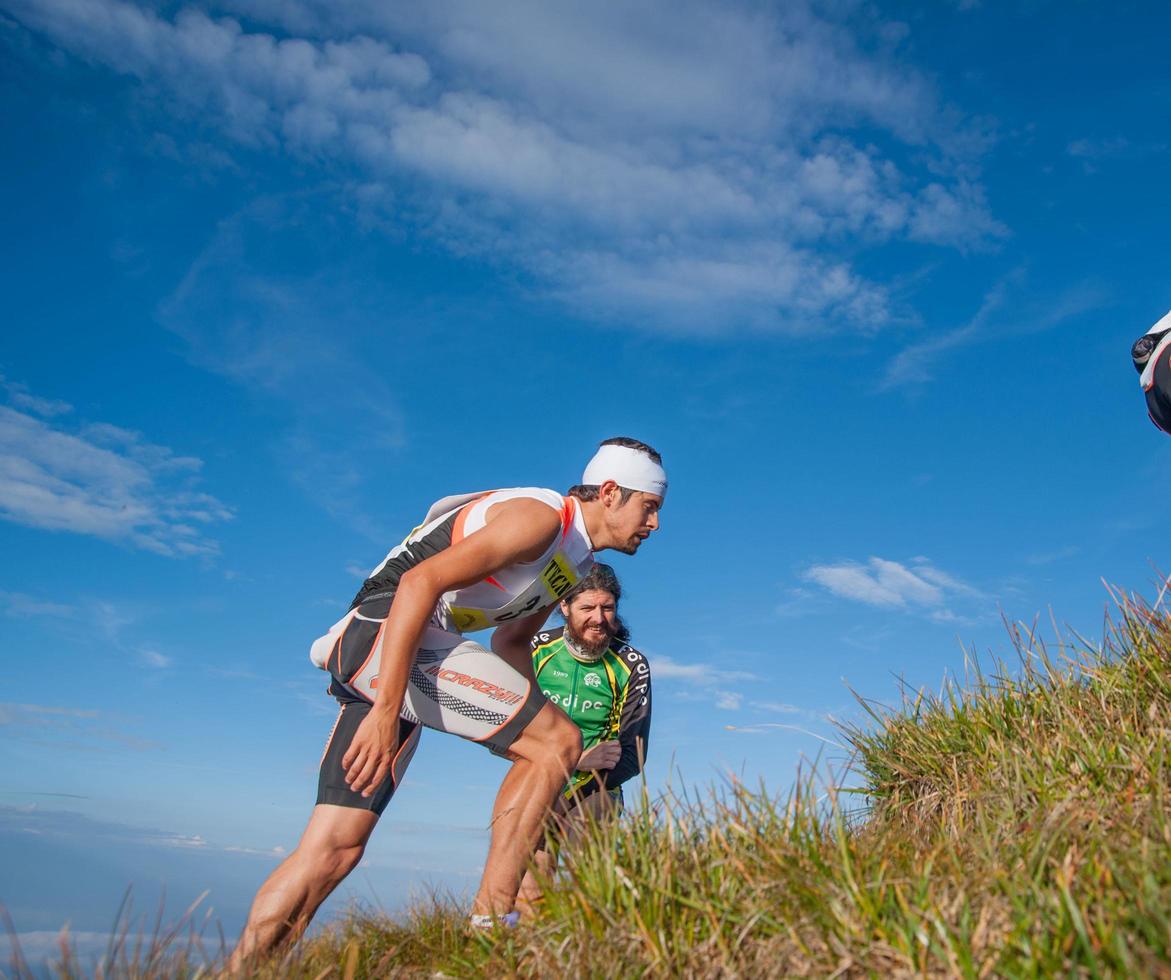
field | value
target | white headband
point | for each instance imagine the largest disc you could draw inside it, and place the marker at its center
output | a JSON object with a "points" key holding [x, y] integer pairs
{"points": [[630, 468]]}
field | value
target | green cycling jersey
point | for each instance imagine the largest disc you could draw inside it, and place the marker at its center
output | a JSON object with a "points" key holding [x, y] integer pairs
{"points": [[608, 699]]}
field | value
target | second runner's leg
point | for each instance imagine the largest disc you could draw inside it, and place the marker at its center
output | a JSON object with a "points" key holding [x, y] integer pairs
{"points": [[544, 753]]}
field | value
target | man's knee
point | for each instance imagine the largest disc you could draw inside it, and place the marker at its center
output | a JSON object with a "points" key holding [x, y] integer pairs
{"points": [[550, 740], [328, 862], [334, 842], [565, 740]]}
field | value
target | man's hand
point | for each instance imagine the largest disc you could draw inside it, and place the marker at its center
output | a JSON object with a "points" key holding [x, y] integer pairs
{"points": [[371, 751], [604, 755]]}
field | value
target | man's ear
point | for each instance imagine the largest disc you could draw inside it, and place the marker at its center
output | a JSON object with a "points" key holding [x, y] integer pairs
{"points": [[607, 490], [565, 609]]}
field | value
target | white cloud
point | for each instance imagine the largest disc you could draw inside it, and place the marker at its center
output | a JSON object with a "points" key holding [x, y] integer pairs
{"points": [[105, 481], [182, 841], [277, 851], [664, 667], [704, 681], [777, 707], [152, 658], [704, 164], [729, 700], [21, 397], [891, 585]]}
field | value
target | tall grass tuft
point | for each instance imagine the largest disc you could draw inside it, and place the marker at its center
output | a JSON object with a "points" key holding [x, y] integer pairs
{"points": [[1013, 825]]}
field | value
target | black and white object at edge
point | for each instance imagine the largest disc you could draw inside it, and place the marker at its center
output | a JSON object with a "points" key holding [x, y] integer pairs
{"points": [[1151, 355]]}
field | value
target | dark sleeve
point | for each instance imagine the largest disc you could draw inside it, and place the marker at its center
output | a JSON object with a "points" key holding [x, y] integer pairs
{"points": [[634, 728], [1159, 394]]}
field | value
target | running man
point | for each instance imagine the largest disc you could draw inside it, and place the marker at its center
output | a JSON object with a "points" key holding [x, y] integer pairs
{"points": [[589, 670], [1151, 354], [398, 660]]}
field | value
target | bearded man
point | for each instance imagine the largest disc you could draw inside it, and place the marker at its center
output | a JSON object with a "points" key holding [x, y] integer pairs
{"points": [[589, 670]]}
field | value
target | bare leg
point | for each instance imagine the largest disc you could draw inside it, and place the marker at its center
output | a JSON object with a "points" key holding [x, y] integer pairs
{"points": [[329, 850], [530, 887], [570, 825], [544, 754]]}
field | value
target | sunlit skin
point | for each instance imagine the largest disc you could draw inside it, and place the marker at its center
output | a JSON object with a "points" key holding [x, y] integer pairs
{"points": [[628, 525], [591, 621]]}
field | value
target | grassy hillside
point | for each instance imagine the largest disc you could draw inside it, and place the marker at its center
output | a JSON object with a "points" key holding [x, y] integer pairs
{"points": [[1015, 826]]}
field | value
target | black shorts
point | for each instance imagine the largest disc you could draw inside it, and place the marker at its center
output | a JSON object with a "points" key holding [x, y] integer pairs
{"points": [[455, 686], [331, 779]]}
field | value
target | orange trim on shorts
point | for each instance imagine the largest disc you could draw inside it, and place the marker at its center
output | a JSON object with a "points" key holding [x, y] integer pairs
{"points": [[333, 731], [411, 740]]}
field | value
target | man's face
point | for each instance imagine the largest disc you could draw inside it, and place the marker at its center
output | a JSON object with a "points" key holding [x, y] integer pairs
{"points": [[591, 620], [631, 523]]}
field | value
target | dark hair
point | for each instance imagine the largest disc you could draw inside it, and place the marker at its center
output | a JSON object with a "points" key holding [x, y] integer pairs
{"points": [[600, 578], [590, 492]]}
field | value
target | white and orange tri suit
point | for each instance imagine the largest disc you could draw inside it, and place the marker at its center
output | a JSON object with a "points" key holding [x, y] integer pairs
{"points": [[455, 685]]}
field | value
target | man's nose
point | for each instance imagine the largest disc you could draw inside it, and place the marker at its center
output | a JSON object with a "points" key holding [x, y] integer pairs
{"points": [[653, 521]]}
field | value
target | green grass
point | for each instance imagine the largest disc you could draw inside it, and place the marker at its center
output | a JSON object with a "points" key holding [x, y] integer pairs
{"points": [[1015, 825]]}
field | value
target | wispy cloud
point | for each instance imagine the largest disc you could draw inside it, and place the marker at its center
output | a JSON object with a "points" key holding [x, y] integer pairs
{"points": [[1050, 557], [664, 667], [282, 344], [64, 727], [704, 681], [772, 727], [1095, 149], [20, 396], [277, 851], [716, 165], [1002, 314], [778, 707], [18, 605], [1095, 152], [885, 584], [729, 700], [154, 659], [105, 481], [50, 822], [41, 714]]}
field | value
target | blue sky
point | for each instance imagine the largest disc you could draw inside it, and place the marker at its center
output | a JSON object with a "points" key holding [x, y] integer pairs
{"points": [[279, 274]]}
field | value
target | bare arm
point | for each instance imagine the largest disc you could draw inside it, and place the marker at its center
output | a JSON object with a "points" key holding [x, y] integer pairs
{"points": [[516, 530], [513, 642]]}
